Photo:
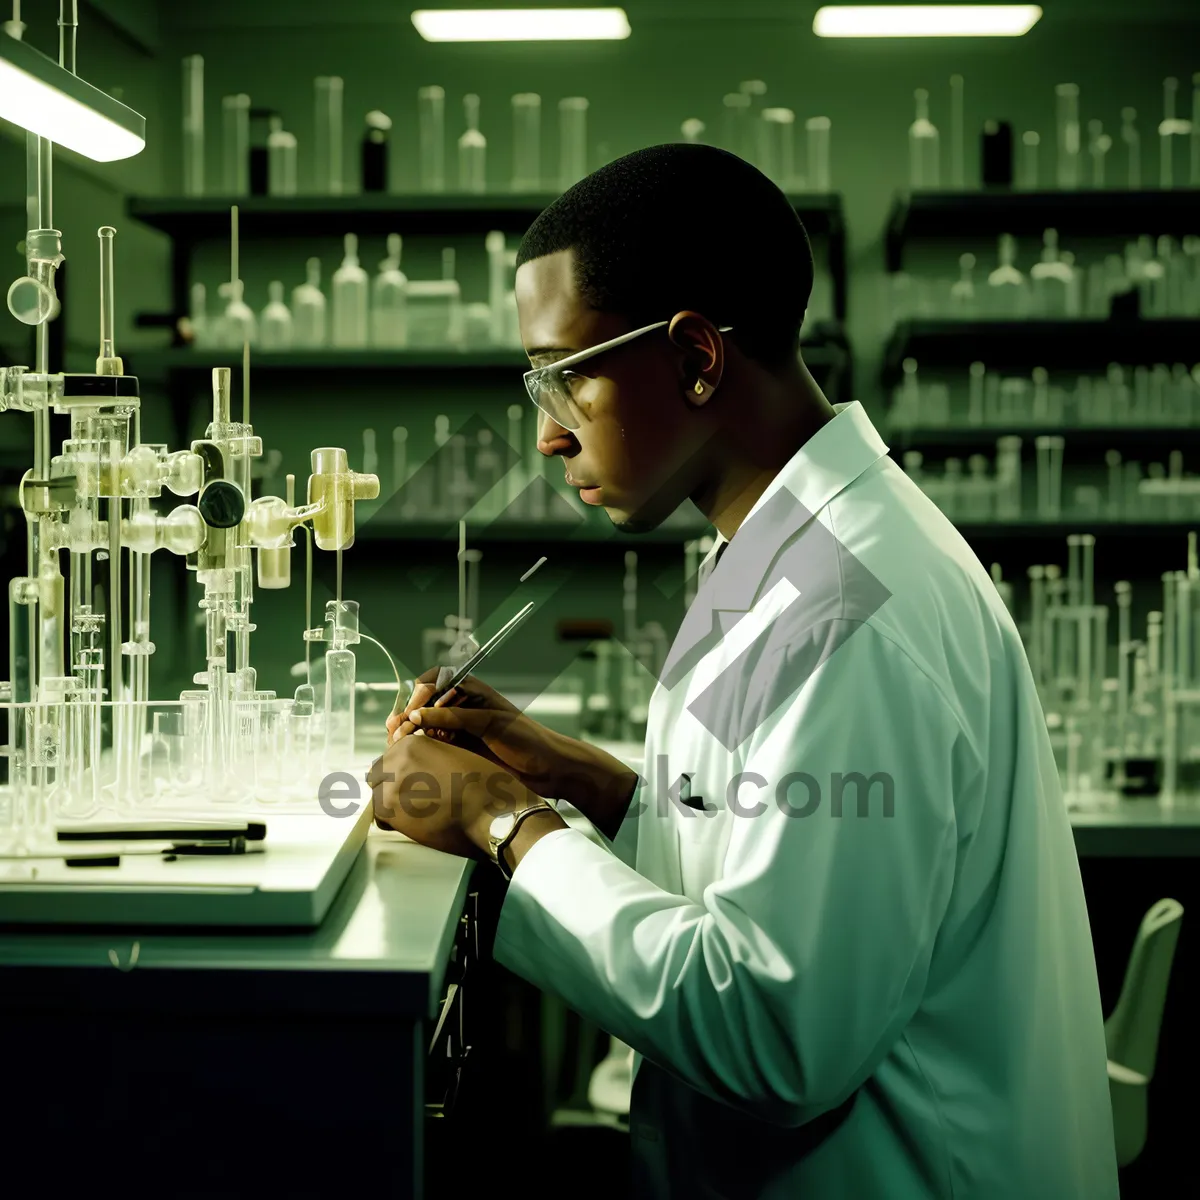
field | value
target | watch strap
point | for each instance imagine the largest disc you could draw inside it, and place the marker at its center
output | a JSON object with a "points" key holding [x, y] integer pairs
{"points": [[518, 820]]}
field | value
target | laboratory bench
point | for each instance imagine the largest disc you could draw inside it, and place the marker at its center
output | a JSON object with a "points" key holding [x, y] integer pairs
{"points": [[264, 1062]]}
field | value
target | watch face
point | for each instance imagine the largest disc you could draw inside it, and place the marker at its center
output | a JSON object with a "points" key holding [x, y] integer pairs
{"points": [[501, 826]]}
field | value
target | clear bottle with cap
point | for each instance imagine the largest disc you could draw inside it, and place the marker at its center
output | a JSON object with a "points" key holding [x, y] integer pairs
{"points": [[389, 300], [350, 299], [924, 155], [1067, 172], [1008, 290], [527, 142], [1055, 282], [572, 140], [275, 324], [309, 319], [281, 160], [472, 150], [431, 109]]}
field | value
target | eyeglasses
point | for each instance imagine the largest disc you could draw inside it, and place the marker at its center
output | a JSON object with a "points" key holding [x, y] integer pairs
{"points": [[551, 388]]}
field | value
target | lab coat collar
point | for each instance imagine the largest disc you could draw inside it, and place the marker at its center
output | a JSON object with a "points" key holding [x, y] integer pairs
{"points": [[836, 455]]}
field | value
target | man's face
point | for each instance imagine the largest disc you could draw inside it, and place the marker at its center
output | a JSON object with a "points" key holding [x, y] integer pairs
{"points": [[641, 448]]}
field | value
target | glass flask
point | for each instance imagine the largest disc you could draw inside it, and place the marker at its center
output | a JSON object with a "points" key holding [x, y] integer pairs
{"points": [[389, 323], [275, 324], [350, 288], [308, 309]]}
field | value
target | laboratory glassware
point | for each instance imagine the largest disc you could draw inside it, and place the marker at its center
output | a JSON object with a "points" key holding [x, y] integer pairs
{"points": [[1174, 135], [431, 114], [281, 160], [1055, 282], [1028, 175], [472, 150], [1132, 144], [238, 325], [275, 324], [778, 146], [958, 178], [374, 157], [1099, 144], [1067, 173], [389, 299], [328, 161], [198, 316], [996, 154], [923, 153], [572, 140], [962, 292], [527, 139], [308, 309], [497, 283], [818, 132], [193, 125], [235, 147], [736, 123], [435, 308], [752, 150], [1007, 289], [692, 130], [1194, 140], [350, 288]]}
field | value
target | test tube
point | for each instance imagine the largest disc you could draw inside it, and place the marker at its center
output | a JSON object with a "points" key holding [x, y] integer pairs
{"points": [[235, 147], [1008, 478], [976, 373], [527, 138], [328, 139], [1132, 143], [777, 161], [193, 125], [818, 131], [735, 123], [1030, 141], [1067, 126], [399, 457], [472, 150], [1049, 476], [431, 109], [572, 140], [957, 148], [281, 160], [923, 152]]}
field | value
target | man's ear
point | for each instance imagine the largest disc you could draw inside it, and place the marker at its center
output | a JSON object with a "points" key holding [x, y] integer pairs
{"points": [[702, 362]]}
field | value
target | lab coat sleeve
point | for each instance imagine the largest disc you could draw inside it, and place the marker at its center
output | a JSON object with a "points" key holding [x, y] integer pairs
{"points": [[784, 989]]}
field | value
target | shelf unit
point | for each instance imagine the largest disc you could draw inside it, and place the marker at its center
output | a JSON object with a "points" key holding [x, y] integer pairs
{"points": [[982, 437], [1063, 344], [188, 222], [1094, 213]]}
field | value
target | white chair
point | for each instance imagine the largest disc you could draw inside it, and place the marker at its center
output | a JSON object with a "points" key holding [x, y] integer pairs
{"points": [[1131, 1031]]}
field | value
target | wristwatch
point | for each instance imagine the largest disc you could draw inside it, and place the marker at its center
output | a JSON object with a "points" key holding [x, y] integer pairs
{"points": [[504, 828]]}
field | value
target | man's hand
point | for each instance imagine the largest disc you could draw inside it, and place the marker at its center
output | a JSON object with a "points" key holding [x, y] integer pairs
{"points": [[474, 717], [445, 797]]}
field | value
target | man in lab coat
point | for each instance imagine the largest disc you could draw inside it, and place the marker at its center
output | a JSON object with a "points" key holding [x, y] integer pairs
{"points": [[840, 919]]}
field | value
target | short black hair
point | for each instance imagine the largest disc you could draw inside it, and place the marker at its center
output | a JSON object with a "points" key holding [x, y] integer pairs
{"points": [[686, 226]]}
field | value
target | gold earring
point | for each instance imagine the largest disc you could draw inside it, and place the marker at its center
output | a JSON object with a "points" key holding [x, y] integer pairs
{"points": [[699, 387]]}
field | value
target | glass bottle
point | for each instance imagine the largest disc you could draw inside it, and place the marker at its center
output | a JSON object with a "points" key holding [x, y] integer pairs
{"points": [[962, 292], [328, 158], [308, 309], [472, 150], [1099, 144], [373, 154], [350, 287], [193, 125], [1030, 141], [527, 142], [755, 90], [431, 108], [238, 324], [735, 131], [1007, 289], [1055, 282], [692, 130], [235, 147], [923, 154], [389, 302], [572, 140], [275, 324], [777, 162], [1194, 140], [281, 160], [1173, 136], [1067, 127], [818, 130], [958, 178], [198, 316], [1132, 144]]}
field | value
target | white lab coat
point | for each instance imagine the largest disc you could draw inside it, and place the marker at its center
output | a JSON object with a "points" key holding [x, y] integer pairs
{"points": [[765, 966]]}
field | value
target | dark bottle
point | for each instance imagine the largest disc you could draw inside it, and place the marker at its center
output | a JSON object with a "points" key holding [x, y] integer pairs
{"points": [[997, 156], [260, 119], [375, 153]]}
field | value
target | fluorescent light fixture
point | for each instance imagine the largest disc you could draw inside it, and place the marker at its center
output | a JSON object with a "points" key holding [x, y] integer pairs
{"points": [[925, 20], [39, 95], [522, 24]]}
